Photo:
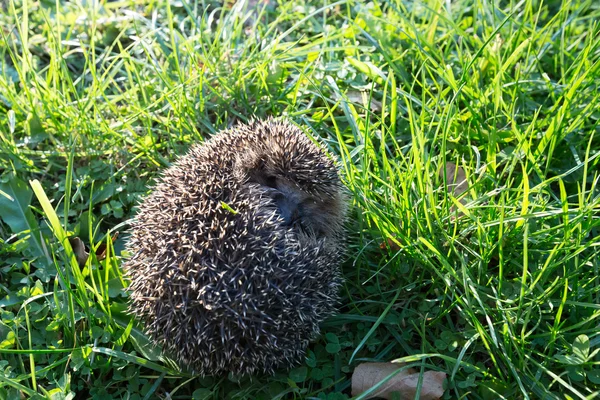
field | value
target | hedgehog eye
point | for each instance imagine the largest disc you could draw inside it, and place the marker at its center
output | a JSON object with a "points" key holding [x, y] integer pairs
{"points": [[271, 181]]}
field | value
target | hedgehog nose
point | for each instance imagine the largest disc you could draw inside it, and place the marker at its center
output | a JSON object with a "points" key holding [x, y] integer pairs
{"points": [[291, 219], [288, 210]]}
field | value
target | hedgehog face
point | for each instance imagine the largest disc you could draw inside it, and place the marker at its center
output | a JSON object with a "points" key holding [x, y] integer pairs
{"points": [[311, 214], [308, 201]]}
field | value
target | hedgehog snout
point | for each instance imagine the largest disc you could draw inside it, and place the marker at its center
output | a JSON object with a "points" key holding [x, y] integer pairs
{"points": [[289, 208], [300, 211]]}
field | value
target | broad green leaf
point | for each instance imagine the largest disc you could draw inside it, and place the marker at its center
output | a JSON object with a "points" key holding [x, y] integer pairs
{"points": [[10, 300], [594, 376], [201, 394], [115, 288], [79, 357], [8, 341], [299, 374], [581, 347], [332, 337], [15, 212], [570, 359], [333, 348], [311, 359], [317, 374]]}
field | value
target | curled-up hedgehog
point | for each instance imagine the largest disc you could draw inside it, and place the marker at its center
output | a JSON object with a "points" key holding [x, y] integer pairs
{"points": [[235, 253]]}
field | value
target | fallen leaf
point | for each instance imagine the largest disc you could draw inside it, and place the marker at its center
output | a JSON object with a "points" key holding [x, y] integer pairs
{"points": [[456, 179], [81, 253], [357, 96], [391, 244], [403, 384], [101, 250]]}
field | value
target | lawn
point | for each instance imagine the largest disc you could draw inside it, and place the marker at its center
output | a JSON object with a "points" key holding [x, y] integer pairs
{"points": [[467, 134]]}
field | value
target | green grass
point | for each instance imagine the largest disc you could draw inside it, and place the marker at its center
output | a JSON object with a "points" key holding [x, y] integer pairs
{"points": [[498, 286]]}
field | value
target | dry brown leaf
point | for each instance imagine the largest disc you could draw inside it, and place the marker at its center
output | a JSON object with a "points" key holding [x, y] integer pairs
{"points": [[390, 244], [81, 253], [404, 383], [456, 179], [101, 250], [79, 249], [457, 184], [356, 96]]}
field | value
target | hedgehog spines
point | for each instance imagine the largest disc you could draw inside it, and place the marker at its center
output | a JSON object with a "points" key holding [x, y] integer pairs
{"points": [[235, 253]]}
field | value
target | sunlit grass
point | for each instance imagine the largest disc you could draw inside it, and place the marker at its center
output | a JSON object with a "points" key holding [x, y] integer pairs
{"points": [[493, 281]]}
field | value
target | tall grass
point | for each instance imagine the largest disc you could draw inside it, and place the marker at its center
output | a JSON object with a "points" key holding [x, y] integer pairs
{"points": [[467, 133]]}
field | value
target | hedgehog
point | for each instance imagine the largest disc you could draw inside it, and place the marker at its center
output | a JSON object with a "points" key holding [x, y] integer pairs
{"points": [[234, 256]]}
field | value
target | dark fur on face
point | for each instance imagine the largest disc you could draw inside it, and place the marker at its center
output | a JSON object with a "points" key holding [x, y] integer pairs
{"points": [[235, 254], [277, 168]]}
